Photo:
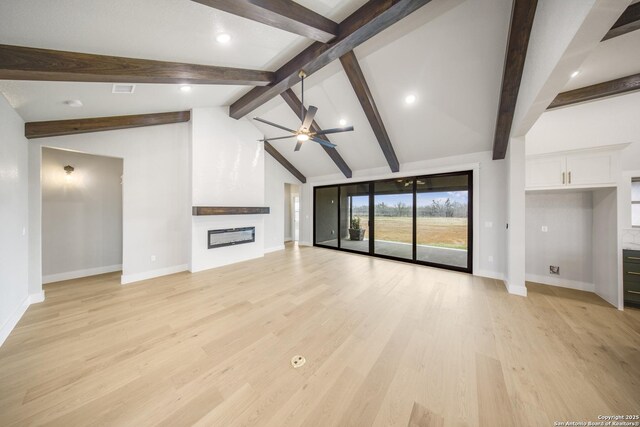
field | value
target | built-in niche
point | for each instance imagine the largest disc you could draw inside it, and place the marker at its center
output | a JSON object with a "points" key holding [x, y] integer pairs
{"points": [[575, 230]]}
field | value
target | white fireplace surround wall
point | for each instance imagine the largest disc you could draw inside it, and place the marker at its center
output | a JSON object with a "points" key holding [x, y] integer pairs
{"points": [[227, 170], [204, 258]]}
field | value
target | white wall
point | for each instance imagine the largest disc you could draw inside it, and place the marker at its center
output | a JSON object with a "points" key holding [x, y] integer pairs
{"points": [[81, 215], [568, 216], [488, 210], [593, 124], [227, 170], [287, 213], [14, 295], [604, 122], [605, 238], [275, 178], [156, 209], [563, 34]]}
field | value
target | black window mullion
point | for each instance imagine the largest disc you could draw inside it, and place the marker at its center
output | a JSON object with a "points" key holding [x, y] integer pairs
{"points": [[415, 210]]}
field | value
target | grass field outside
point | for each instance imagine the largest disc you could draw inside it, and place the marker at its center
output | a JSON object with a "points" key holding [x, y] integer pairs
{"points": [[431, 231]]}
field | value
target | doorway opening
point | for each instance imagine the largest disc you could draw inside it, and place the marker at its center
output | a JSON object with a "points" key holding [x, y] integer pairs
{"points": [[291, 213], [81, 215]]}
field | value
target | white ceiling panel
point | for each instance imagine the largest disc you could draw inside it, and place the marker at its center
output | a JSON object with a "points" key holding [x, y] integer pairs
{"points": [[37, 101], [453, 65], [611, 59], [169, 30]]}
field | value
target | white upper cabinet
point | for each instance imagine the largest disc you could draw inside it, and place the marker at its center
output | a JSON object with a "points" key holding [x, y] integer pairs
{"points": [[590, 168], [546, 172], [576, 169]]}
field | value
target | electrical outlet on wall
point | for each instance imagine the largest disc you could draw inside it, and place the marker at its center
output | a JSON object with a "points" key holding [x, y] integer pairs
{"points": [[153, 258], [554, 269], [545, 229], [490, 258]]}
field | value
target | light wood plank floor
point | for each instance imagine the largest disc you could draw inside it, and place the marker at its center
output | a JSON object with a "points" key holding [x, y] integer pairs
{"points": [[386, 343]]}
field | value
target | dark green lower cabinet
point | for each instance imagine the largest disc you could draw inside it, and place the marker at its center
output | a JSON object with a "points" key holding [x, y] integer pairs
{"points": [[631, 275]]}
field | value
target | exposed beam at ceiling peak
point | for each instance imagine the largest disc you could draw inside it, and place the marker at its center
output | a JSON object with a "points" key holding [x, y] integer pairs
{"points": [[284, 162], [26, 63], [283, 14], [628, 21], [361, 88], [519, 33], [99, 124], [372, 18], [597, 91]]}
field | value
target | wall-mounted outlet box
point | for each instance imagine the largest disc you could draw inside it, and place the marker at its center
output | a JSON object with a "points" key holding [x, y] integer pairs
{"points": [[153, 258], [544, 229], [554, 269]]}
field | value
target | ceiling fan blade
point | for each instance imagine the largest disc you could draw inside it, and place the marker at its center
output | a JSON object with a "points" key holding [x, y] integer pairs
{"points": [[323, 142], [267, 122], [334, 130], [298, 145], [275, 139], [308, 118]]}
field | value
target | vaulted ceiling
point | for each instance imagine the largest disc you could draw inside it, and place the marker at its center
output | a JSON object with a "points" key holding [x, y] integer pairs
{"points": [[449, 54]]}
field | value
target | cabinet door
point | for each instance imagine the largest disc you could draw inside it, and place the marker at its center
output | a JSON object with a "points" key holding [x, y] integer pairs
{"points": [[545, 172], [592, 168]]}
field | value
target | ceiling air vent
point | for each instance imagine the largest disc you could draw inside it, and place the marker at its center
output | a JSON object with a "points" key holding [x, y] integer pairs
{"points": [[122, 88]]}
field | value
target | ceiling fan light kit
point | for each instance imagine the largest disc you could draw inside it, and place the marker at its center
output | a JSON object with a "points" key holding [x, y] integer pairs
{"points": [[304, 132]]}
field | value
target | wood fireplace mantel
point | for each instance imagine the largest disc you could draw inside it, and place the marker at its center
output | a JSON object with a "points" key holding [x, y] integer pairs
{"points": [[229, 210]]}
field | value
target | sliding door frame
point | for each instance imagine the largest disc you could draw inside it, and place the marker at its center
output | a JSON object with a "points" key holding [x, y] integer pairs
{"points": [[414, 260]]}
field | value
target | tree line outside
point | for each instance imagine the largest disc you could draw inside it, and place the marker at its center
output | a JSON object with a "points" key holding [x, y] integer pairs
{"points": [[437, 209]]}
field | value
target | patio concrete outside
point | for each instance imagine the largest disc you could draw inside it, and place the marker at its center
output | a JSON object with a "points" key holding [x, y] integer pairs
{"points": [[434, 254]]}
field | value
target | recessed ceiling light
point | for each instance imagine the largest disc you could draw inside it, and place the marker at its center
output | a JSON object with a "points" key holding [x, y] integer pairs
{"points": [[185, 88], [575, 73], [223, 38], [74, 103], [343, 122], [410, 99]]}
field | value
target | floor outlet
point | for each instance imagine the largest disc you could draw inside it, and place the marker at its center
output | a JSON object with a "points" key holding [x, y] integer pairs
{"points": [[297, 361]]}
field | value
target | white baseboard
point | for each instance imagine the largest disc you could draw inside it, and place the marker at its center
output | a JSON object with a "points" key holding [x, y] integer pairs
{"points": [[274, 249], [563, 283], [303, 243], [516, 289], [13, 320], [490, 274], [131, 278], [80, 273], [36, 298]]}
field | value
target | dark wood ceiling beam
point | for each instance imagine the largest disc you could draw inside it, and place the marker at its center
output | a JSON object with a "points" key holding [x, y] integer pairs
{"points": [[628, 21], [26, 63], [283, 14], [296, 105], [372, 18], [519, 32], [76, 126], [361, 88], [597, 91], [284, 162]]}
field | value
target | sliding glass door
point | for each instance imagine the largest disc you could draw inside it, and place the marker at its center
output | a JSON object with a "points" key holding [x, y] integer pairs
{"points": [[393, 218], [442, 220], [326, 216], [354, 217], [425, 219]]}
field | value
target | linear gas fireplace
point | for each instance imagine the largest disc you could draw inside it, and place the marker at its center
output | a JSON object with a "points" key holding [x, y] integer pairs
{"points": [[231, 236]]}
